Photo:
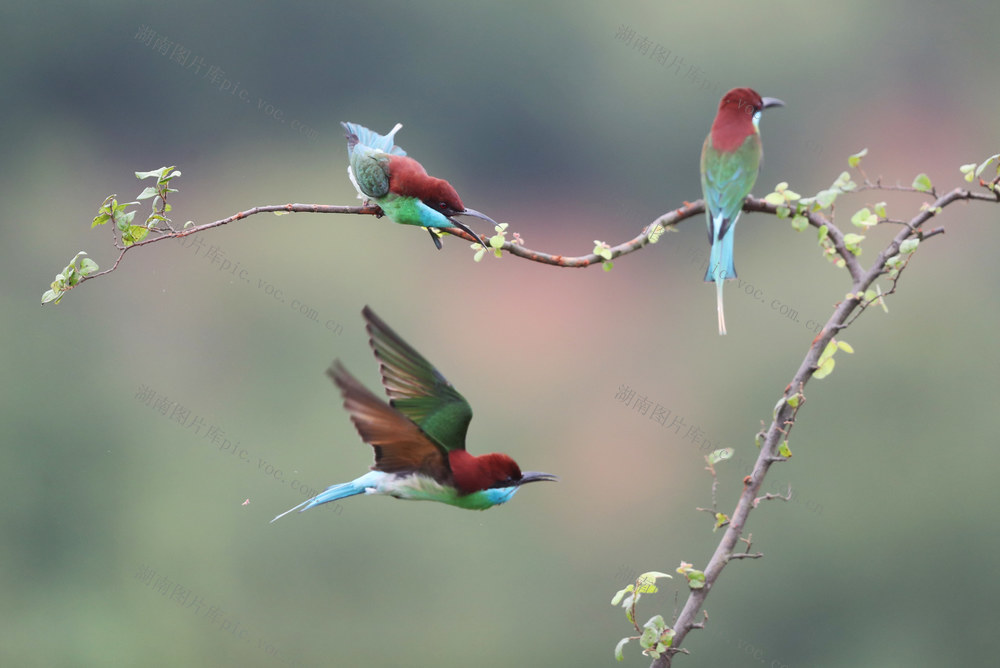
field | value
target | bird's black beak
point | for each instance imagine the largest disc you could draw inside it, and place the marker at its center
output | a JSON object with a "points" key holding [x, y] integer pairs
{"points": [[536, 476], [771, 102], [465, 228]]}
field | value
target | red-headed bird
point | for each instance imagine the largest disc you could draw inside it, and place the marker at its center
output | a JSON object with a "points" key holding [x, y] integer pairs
{"points": [[730, 162], [419, 436], [382, 172]]}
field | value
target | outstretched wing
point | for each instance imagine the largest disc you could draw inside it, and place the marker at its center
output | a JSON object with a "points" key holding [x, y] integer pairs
{"points": [[416, 389], [399, 443]]}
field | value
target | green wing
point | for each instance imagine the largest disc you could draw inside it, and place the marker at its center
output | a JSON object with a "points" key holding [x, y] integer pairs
{"points": [[726, 180], [416, 389], [399, 444], [371, 171]]}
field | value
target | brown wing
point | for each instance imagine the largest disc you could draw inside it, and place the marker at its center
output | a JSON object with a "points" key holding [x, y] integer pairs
{"points": [[399, 443]]}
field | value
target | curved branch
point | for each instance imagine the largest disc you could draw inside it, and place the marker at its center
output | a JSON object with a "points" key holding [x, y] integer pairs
{"points": [[785, 415], [271, 208], [667, 220]]}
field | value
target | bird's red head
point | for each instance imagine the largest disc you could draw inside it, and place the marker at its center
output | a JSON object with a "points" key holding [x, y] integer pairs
{"points": [[744, 101], [408, 177], [473, 474], [734, 122]]}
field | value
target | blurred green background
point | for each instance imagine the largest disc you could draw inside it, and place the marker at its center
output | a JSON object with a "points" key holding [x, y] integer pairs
{"points": [[126, 537]]}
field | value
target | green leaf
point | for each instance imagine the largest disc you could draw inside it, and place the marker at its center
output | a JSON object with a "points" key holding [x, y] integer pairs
{"points": [[909, 246], [620, 595], [825, 369], [148, 192], [479, 253], [696, 580], [720, 455], [855, 160], [823, 232], [844, 183], [828, 352], [923, 183], [146, 175], [969, 171], [793, 401], [657, 623], [880, 210], [800, 223], [853, 241], [87, 266], [123, 220], [775, 198], [51, 295], [100, 219], [783, 449], [655, 233], [824, 198], [619, 653], [979, 170], [608, 265], [846, 347], [134, 234], [649, 637], [864, 218], [496, 241]]}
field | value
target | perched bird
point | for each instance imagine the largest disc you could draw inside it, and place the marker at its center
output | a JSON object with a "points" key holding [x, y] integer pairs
{"points": [[419, 436], [730, 162], [382, 172]]}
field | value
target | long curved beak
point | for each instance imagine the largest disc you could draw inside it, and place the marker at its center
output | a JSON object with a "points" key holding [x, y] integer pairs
{"points": [[536, 476], [462, 226], [771, 102]]}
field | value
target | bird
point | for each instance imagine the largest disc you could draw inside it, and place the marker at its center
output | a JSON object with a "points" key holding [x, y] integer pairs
{"points": [[419, 436], [730, 162], [382, 173]]}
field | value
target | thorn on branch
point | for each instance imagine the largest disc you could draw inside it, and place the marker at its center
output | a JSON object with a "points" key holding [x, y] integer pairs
{"points": [[769, 496]]}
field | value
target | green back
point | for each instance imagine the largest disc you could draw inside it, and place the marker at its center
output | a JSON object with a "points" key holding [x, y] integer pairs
{"points": [[727, 178]]}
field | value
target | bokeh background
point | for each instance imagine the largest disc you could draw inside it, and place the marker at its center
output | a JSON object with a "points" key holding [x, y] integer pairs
{"points": [[127, 539]]}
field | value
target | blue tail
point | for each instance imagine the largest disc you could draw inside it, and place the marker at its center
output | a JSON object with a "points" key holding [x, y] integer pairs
{"points": [[721, 267], [341, 491], [720, 260], [359, 134]]}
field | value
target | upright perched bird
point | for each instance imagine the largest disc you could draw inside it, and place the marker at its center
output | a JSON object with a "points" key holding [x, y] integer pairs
{"points": [[730, 161], [419, 436], [382, 172]]}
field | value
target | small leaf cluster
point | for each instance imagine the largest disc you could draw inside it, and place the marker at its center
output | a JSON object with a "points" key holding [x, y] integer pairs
{"points": [[78, 268], [790, 203], [825, 363], [111, 209], [695, 578], [655, 637], [496, 242], [870, 296], [896, 263], [603, 249], [972, 171]]}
